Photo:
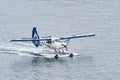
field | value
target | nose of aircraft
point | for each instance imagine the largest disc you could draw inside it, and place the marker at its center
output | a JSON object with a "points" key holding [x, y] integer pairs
{"points": [[65, 46]]}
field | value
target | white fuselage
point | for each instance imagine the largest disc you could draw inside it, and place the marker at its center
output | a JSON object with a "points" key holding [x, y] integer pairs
{"points": [[56, 45]]}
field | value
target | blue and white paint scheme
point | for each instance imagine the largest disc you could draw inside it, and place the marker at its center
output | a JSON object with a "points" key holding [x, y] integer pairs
{"points": [[57, 44]]}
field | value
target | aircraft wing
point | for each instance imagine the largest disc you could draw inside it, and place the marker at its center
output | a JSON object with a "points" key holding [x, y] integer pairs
{"points": [[30, 39], [49, 39], [77, 36]]}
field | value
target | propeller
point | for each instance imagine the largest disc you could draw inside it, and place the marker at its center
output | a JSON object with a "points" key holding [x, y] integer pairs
{"points": [[65, 46], [67, 41]]}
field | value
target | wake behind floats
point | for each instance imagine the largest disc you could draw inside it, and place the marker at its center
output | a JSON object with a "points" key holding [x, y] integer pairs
{"points": [[59, 45]]}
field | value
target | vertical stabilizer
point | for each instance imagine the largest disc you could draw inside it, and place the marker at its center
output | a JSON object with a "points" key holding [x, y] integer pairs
{"points": [[35, 36]]}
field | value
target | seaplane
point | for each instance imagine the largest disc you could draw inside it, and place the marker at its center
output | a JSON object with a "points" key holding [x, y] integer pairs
{"points": [[59, 45]]}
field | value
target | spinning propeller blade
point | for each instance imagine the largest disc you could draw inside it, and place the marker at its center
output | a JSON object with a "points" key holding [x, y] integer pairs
{"points": [[66, 48]]}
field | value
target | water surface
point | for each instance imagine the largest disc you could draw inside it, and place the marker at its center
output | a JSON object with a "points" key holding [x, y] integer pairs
{"points": [[98, 58]]}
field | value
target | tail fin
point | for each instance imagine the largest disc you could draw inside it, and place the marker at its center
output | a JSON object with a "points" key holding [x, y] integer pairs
{"points": [[35, 36]]}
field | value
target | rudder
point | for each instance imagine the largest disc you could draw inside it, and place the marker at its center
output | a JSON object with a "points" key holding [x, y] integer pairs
{"points": [[35, 36]]}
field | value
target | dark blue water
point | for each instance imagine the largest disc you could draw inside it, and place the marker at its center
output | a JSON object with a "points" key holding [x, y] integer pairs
{"points": [[98, 59]]}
